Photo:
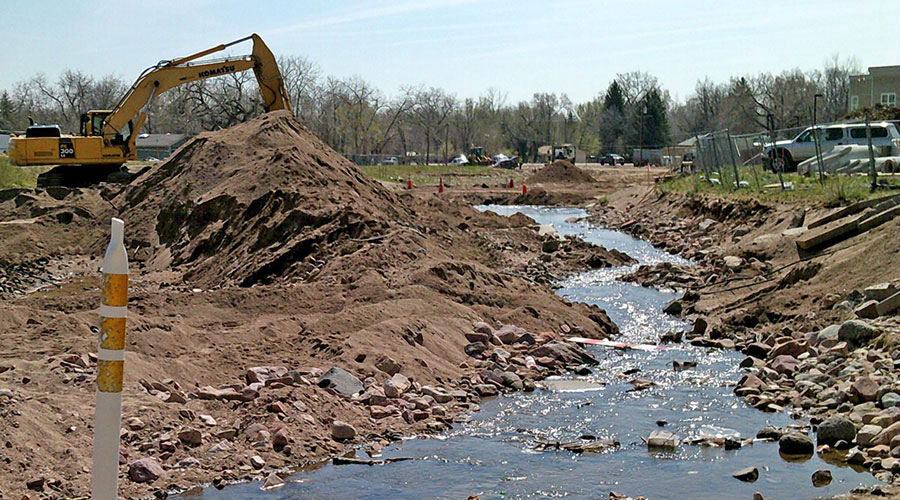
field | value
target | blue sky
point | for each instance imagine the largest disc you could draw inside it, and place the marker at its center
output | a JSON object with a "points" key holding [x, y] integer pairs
{"points": [[463, 46]]}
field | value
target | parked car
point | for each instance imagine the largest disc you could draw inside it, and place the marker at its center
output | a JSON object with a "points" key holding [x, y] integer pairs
{"points": [[785, 155], [496, 159], [612, 159], [459, 160], [390, 161], [510, 163]]}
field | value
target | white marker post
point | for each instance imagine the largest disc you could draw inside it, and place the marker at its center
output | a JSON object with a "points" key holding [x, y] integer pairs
{"points": [[110, 365]]}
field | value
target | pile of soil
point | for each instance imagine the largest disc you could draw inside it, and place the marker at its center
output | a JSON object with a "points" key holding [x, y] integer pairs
{"points": [[255, 203], [561, 171]]}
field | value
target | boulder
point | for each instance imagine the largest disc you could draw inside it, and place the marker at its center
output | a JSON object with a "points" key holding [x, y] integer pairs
{"points": [[340, 381], [662, 439], [867, 434], [784, 364], [565, 352], [145, 470], [747, 474], [475, 349], [512, 381], [772, 433], [733, 262], [890, 399], [864, 390], [478, 337], [888, 434], [508, 334], [828, 333], [482, 327], [757, 350], [273, 481], [821, 477], [259, 374], [856, 332], [867, 310], [190, 436], [673, 307], [795, 444], [226, 394], [791, 348], [835, 428], [439, 395], [387, 365], [36, 483], [341, 430]]}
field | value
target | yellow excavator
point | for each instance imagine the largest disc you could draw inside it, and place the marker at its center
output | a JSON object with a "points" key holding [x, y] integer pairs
{"points": [[107, 138]]}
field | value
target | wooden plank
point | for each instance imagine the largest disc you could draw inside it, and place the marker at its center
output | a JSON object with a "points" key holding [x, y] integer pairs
{"points": [[828, 234], [851, 209], [889, 304], [878, 219]]}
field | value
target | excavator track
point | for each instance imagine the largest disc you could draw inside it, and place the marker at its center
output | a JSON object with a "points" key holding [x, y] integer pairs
{"points": [[75, 176]]}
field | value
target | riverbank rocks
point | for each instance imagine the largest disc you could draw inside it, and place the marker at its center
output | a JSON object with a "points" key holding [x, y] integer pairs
{"points": [[866, 434], [835, 428], [225, 394], [340, 381], [864, 390], [856, 332], [747, 474], [785, 364], [794, 443], [387, 365], [342, 431], [564, 352], [260, 374], [662, 439], [145, 470], [673, 307], [475, 349], [821, 478]]}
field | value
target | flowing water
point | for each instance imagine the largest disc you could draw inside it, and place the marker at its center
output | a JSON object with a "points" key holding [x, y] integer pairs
{"points": [[493, 455]]}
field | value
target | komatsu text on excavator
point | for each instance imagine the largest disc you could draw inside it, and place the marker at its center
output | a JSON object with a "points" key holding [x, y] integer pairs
{"points": [[107, 137]]}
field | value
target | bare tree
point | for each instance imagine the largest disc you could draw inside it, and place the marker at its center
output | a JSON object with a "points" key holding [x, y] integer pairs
{"points": [[430, 110]]}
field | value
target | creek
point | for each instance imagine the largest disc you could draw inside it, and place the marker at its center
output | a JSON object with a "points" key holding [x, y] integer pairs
{"points": [[493, 454]]}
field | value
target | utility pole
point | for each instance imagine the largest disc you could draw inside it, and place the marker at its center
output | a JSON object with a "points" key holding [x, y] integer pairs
{"points": [[770, 123], [871, 154], [816, 139]]}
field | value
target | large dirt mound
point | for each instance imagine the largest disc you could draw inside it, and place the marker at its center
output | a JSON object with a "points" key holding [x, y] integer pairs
{"points": [[255, 203], [561, 171]]}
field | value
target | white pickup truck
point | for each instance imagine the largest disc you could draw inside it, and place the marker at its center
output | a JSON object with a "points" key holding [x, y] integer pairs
{"points": [[785, 155]]}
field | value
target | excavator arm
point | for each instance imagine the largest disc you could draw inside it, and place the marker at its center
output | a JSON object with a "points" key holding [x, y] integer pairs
{"points": [[131, 110]]}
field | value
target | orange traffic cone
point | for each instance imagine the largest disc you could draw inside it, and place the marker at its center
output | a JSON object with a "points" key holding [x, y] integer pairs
{"points": [[524, 189], [409, 184], [511, 185], [441, 185]]}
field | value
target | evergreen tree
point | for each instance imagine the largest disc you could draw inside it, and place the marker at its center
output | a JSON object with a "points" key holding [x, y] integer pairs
{"points": [[6, 111], [612, 119]]}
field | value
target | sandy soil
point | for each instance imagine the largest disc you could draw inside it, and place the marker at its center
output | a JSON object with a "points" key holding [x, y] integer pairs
{"points": [[277, 255]]}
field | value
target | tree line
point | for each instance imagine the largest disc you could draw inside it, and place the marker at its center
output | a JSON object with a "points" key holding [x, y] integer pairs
{"points": [[355, 117]]}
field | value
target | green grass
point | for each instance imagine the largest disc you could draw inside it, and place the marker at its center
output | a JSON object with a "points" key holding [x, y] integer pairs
{"points": [[15, 177], [429, 174], [838, 189]]}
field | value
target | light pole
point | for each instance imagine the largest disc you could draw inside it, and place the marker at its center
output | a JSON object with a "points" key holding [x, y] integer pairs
{"points": [[643, 118], [816, 138]]}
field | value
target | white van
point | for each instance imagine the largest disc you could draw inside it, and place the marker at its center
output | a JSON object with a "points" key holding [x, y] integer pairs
{"points": [[787, 154]]}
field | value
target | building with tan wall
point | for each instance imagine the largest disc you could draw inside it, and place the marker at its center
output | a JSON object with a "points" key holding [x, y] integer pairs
{"points": [[880, 85]]}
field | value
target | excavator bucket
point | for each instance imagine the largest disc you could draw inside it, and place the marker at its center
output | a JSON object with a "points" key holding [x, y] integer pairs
{"points": [[271, 85]]}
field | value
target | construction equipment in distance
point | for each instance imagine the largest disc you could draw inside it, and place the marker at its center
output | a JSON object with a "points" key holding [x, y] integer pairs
{"points": [[107, 138], [476, 156]]}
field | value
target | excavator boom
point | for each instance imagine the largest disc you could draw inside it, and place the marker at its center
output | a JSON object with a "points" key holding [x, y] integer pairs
{"points": [[108, 137]]}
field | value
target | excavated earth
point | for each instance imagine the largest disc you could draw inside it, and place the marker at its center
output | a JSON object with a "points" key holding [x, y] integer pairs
{"points": [[261, 259]]}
